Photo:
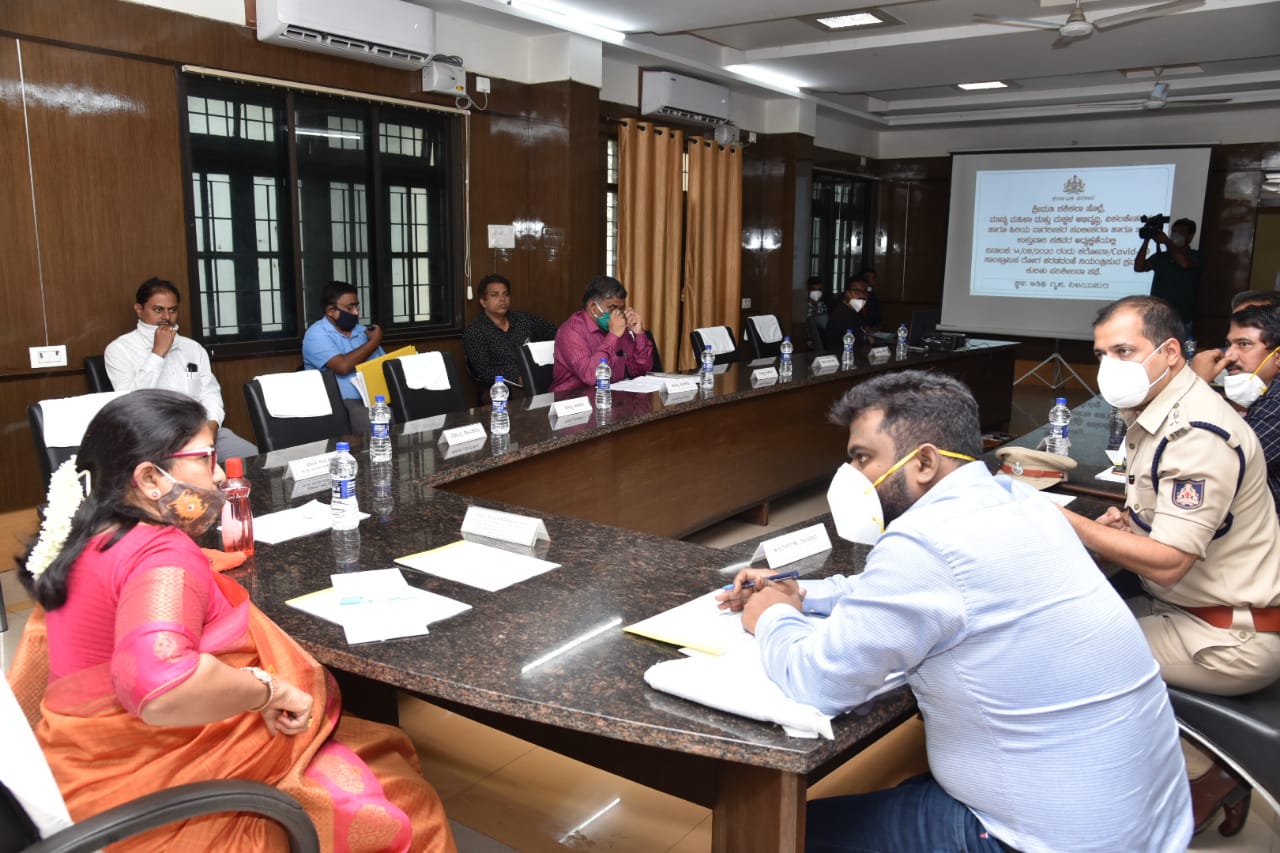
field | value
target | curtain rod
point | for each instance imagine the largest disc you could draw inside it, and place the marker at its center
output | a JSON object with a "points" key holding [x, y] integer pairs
{"points": [[319, 90]]}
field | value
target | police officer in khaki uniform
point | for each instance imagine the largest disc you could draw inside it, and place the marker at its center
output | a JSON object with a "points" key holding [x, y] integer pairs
{"points": [[1198, 528]]}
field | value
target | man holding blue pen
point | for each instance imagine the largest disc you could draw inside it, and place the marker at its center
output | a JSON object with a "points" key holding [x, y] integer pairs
{"points": [[1047, 724]]}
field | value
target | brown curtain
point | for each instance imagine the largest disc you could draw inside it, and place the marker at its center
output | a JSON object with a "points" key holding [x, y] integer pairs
{"points": [[650, 223], [713, 240]]}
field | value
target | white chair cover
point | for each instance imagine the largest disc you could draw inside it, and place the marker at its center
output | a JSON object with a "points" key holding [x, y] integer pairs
{"points": [[66, 418], [425, 370], [718, 337], [299, 394]]}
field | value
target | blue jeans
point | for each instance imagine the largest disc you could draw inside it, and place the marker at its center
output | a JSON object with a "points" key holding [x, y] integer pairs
{"points": [[915, 817]]}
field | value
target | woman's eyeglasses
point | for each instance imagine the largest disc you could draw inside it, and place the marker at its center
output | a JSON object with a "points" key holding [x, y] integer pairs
{"points": [[211, 453]]}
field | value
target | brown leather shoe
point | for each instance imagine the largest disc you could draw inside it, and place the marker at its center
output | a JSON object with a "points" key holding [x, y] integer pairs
{"points": [[1218, 788]]}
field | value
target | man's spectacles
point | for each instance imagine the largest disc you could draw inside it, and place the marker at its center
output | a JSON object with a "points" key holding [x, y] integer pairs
{"points": [[353, 308], [210, 452]]}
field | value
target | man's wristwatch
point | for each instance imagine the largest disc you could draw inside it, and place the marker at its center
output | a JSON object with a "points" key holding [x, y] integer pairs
{"points": [[267, 679]]}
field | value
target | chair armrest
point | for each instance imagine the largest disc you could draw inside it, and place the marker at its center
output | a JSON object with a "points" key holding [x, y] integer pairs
{"points": [[186, 801]]}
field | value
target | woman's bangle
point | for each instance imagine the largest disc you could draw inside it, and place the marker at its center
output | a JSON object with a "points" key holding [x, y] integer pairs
{"points": [[267, 679]]}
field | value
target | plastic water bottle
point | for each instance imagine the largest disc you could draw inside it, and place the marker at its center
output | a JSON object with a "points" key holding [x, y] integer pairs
{"points": [[1116, 429], [784, 363], [1059, 427], [846, 355], [343, 507], [346, 549], [500, 419], [903, 335], [1189, 348], [604, 397], [237, 514], [707, 379], [380, 430]]}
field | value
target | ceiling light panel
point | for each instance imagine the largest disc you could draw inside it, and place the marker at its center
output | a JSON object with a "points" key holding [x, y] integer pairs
{"points": [[853, 19], [978, 87]]}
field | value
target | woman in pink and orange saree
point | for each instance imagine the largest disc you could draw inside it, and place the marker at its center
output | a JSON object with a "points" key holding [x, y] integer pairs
{"points": [[143, 669]]}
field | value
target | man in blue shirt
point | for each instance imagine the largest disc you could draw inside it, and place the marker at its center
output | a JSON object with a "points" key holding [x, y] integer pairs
{"points": [[338, 342], [1047, 724]]}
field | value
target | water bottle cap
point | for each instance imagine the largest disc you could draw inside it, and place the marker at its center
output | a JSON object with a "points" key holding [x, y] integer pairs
{"points": [[1061, 401], [604, 360], [707, 347], [234, 467], [498, 379], [343, 447], [787, 338], [379, 399]]}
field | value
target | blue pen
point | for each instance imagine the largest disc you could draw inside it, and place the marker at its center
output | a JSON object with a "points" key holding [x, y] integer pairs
{"points": [[781, 576]]}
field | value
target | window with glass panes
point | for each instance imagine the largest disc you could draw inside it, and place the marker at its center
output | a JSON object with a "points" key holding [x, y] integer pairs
{"points": [[840, 220], [370, 207], [611, 207]]}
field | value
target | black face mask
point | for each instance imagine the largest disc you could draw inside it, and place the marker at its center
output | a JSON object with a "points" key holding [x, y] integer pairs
{"points": [[346, 320]]}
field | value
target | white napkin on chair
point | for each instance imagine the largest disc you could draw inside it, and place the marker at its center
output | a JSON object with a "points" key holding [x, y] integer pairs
{"points": [[543, 352], [295, 395], [718, 338], [767, 328], [66, 418], [425, 370]]}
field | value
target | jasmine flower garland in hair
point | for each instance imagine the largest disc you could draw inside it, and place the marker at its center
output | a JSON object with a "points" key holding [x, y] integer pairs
{"points": [[62, 501]]}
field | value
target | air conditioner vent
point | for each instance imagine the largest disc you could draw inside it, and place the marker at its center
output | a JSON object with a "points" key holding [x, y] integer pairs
{"points": [[385, 32]]}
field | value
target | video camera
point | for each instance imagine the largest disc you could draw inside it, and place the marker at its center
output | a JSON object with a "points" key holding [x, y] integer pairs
{"points": [[1152, 225]]}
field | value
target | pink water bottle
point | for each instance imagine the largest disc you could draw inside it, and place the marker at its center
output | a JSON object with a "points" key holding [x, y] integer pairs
{"points": [[237, 515]]}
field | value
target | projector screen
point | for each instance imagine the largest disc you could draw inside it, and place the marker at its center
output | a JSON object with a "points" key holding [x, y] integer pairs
{"points": [[1038, 241]]}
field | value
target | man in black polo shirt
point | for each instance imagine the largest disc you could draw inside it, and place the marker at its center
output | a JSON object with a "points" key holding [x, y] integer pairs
{"points": [[493, 338], [1176, 266]]}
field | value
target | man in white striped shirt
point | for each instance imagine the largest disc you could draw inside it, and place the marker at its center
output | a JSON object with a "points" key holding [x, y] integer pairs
{"points": [[1047, 725]]}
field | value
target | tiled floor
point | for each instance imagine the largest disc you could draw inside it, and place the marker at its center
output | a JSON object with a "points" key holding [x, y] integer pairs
{"points": [[504, 794]]}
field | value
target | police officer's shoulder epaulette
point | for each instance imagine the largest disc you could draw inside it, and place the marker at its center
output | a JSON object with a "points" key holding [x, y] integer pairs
{"points": [[1177, 433]]}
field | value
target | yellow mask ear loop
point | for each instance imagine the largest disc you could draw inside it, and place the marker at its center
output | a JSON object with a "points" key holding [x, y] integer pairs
{"points": [[1264, 361], [904, 460]]}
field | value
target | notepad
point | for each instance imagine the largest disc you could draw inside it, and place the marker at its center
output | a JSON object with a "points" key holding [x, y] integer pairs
{"points": [[699, 625], [482, 566], [399, 610]]}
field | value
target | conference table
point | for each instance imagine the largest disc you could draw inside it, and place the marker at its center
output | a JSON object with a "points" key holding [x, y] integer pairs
{"points": [[547, 659], [674, 465], [1090, 438]]}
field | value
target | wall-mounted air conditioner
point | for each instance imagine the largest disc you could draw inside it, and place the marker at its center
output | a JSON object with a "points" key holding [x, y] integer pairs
{"points": [[387, 32], [669, 94]]}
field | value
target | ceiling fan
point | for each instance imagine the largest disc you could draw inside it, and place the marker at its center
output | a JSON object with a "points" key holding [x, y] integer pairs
{"points": [[1158, 99], [1077, 26]]}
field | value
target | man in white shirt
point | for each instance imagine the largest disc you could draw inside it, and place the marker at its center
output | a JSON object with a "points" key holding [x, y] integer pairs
{"points": [[154, 355]]}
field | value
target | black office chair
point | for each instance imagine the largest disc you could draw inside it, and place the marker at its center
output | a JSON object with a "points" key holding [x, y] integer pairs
{"points": [[815, 336], [18, 831], [537, 366], [695, 338], [479, 385], [50, 457], [657, 357], [95, 368], [759, 347], [1243, 730], [411, 404], [274, 433]]}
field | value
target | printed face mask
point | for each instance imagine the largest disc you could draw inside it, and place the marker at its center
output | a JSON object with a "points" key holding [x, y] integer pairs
{"points": [[1244, 389], [346, 320], [1124, 384], [191, 509]]}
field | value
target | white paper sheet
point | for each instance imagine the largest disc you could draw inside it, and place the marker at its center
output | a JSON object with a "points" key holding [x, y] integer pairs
{"points": [[1108, 475], [647, 384], [384, 620], [311, 517], [482, 566], [699, 625]]}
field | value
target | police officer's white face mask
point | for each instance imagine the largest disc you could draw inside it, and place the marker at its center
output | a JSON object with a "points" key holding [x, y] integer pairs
{"points": [[1124, 384], [1244, 389]]}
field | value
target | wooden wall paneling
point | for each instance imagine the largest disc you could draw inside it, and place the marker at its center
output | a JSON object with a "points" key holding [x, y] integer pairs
{"points": [[105, 154], [583, 248], [19, 274], [499, 187], [768, 214], [550, 186], [926, 237], [892, 212], [24, 486], [1226, 239]]}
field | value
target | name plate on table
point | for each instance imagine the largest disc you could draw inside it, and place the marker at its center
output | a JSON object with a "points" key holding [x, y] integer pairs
{"points": [[505, 526], [430, 424], [463, 435], [565, 408], [449, 451], [682, 385], [782, 550], [824, 364], [684, 395], [311, 485], [573, 420], [310, 466], [764, 376]]}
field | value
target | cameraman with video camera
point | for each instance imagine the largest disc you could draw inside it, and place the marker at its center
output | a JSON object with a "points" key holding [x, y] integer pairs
{"points": [[1176, 265]]}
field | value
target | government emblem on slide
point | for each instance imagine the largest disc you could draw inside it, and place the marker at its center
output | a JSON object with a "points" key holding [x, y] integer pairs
{"points": [[1073, 185], [1188, 494]]}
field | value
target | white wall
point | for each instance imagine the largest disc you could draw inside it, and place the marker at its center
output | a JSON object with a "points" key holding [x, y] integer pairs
{"points": [[1170, 127], [231, 11], [620, 82], [485, 50], [841, 134], [564, 56]]}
